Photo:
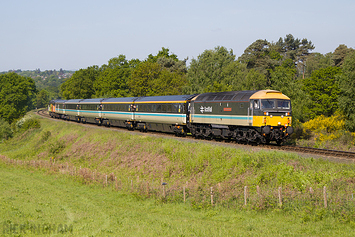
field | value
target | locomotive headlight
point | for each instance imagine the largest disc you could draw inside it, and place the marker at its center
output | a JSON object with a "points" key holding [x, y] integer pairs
{"points": [[282, 116], [266, 113], [279, 123], [270, 115]]}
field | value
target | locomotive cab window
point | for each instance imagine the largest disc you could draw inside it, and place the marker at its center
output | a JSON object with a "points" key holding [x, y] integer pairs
{"points": [[283, 104], [267, 104]]}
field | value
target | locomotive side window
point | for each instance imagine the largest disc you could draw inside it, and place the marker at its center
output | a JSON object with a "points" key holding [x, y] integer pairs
{"points": [[256, 104]]}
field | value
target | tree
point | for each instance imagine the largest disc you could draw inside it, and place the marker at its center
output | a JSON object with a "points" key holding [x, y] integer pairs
{"points": [[151, 79], [17, 95], [316, 61], [113, 78], [340, 54], [283, 78], [207, 70], [295, 49], [347, 91], [163, 53], [323, 89], [261, 56], [81, 84], [237, 77], [42, 99]]}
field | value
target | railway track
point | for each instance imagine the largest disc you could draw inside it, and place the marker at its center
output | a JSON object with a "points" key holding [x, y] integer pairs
{"points": [[306, 150]]}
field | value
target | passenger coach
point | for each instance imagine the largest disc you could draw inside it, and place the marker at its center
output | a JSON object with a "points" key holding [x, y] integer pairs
{"points": [[162, 113]]}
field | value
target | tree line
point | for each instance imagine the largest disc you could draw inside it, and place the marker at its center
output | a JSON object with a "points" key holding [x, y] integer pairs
{"points": [[317, 84]]}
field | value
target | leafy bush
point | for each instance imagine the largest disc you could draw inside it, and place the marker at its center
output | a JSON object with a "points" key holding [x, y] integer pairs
{"points": [[329, 129], [26, 123], [56, 147], [326, 124], [5, 130]]}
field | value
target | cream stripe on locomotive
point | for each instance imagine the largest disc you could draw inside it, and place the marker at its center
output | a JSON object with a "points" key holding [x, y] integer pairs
{"points": [[222, 119]]}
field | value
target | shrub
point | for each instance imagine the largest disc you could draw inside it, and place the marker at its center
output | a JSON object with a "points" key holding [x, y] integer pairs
{"points": [[56, 147], [26, 123], [5, 130], [326, 124], [326, 128]]}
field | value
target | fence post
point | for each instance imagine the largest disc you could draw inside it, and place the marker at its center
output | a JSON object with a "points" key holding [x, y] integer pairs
{"points": [[280, 196], [147, 188], [211, 196], [106, 180], [184, 194], [325, 197], [245, 195]]}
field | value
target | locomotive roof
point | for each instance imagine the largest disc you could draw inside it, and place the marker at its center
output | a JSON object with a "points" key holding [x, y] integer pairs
{"points": [[225, 96], [167, 98], [269, 94]]}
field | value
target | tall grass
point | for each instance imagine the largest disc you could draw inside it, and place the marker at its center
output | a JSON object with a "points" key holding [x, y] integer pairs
{"points": [[144, 160]]}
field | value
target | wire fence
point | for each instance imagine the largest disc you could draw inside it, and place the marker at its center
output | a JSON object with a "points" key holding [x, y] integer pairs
{"points": [[228, 194]]}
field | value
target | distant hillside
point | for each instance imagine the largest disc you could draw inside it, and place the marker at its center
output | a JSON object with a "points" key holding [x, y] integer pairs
{"points": [[49, 80]]}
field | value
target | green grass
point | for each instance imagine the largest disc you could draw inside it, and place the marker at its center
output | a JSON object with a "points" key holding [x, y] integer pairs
{"points": [[199, 166], [36, 198]]}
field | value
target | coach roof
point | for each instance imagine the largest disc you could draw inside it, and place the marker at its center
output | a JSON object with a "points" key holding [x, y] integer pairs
{"points": [[119, 100], [167, 98]]}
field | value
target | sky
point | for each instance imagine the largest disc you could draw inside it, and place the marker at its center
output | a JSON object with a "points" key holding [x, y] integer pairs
{"points": [[75, 34]]}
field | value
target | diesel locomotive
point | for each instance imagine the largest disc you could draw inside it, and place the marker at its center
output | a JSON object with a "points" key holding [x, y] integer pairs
{"points": [[244, 116]]}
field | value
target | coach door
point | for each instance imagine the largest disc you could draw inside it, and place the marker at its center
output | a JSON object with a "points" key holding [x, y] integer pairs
{"points": [[250, 113], [254, 105]]}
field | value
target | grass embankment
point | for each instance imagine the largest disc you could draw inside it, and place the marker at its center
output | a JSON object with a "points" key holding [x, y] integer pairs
{"points": [[141, 162], [35, 202]]}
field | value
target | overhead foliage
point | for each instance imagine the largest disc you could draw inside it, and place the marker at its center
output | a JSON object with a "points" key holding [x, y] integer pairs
{"points": [[17, 95]]}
